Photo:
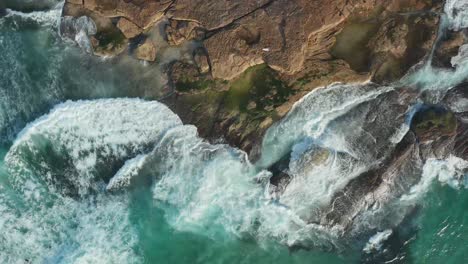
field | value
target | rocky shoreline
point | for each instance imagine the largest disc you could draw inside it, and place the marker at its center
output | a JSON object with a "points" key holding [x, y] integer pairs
{"points": [[242, 65], [346, 114]]}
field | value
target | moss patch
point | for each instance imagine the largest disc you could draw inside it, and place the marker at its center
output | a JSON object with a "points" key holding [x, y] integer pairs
{"points": [[236, 110], [109, 39], [434, 122], [257, 89], [185, 84]]}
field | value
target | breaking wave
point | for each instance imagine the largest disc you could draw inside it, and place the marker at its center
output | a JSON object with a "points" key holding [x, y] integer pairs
{"points": [[457, 12], [68, 177]]}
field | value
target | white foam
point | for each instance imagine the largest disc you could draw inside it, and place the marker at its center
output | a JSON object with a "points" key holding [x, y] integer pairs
{"points": [[376, 241], [122, 179], [310, 116], [69, 231], [451, 171], [47, 18], [215, 191], [78, 29], [457, 12], [91, 134], [49, 227]]}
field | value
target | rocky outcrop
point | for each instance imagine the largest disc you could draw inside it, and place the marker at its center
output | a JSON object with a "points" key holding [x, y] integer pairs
{"points": [[292, 36], [143, 13], [297, 45], [391, 144], [448, 48], [108, 40], [146, 51], [128, 28]]}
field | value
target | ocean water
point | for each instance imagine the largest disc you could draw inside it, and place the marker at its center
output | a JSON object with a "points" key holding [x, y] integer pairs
{"points": [[93, 169]]}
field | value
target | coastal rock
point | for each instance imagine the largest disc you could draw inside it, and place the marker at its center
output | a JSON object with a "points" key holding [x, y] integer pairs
{"points": [[146, 51], [202, 61], [390, 57], [306, 43], [456, 100], [76, 2], [128, 28], [180, 31], [250, 35], [142, 13], [432, 123], [28, 5], [448, 48], [108, 40], [268, 32]]}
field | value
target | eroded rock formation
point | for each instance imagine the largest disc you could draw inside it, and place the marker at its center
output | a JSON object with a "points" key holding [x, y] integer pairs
{"points": [[293, 46]]}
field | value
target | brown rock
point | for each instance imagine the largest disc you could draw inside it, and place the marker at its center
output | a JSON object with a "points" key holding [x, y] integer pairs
{"points": [[179, 31], [146, 51], [250, 35], [143, 13], [202, 61], [128, 28], [215, 14], [293, 36], [448, 48], [400, 42], [307, 43], [76, 2], [109, 40]]}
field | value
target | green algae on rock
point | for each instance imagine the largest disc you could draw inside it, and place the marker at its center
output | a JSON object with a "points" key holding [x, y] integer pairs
{"points": [[434, 122], [239, 110], [259, 86]]}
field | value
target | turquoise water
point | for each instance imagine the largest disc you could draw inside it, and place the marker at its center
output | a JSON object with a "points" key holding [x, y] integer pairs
{"points": [[443, 228], [205, 206]]}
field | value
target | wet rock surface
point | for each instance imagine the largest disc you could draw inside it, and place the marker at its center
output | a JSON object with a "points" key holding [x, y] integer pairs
{"points": [[345, 154], [448, 48], [146, 51], [392, 144], [305, 43]]}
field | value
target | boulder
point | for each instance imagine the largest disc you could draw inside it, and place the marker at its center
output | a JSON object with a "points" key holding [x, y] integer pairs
{"points": [[146, 51], [202, 61], [128, 28]]}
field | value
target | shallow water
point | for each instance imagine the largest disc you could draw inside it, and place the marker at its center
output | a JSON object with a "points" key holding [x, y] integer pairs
{"points": [[124, 181]]}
